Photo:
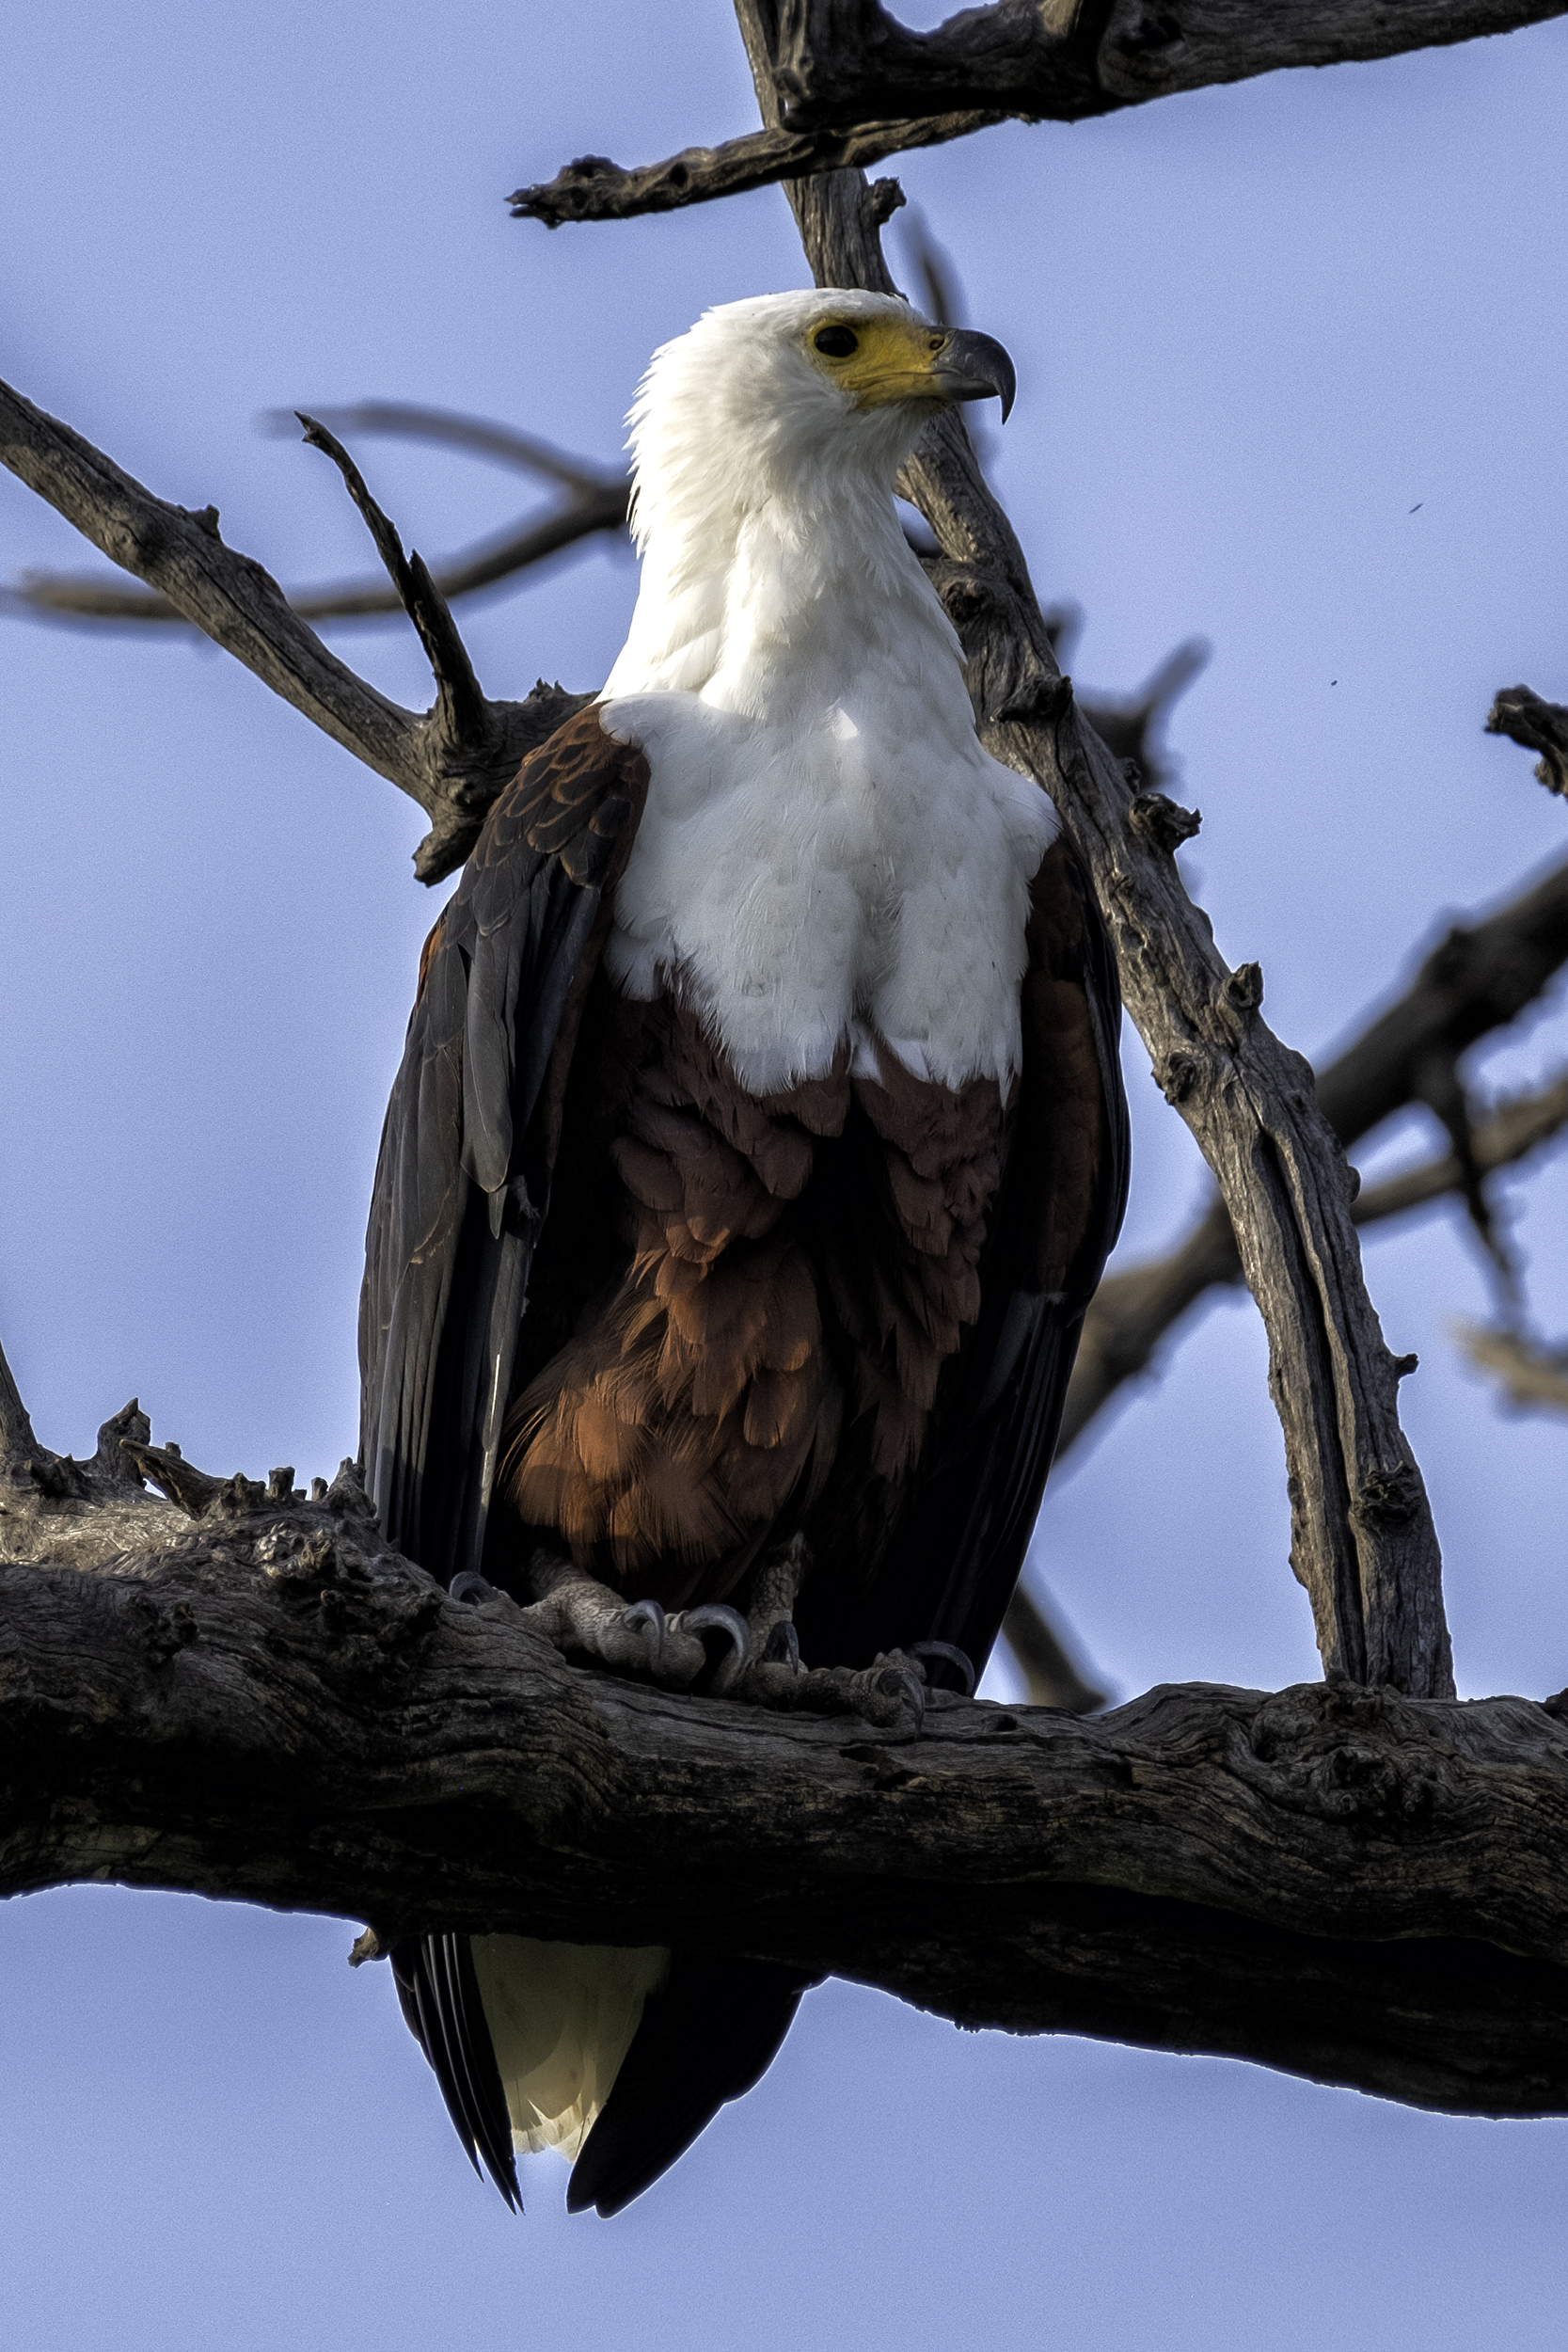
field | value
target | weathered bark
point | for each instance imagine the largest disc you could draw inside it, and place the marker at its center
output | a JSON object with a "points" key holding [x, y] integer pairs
{"points": [[267, 1703], [453, 759], [846, 84], [1363, 1542]]}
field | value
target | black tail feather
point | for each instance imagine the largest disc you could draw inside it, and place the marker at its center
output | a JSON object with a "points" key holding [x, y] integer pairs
{"points": [[439, 1994], [709, 2033]]}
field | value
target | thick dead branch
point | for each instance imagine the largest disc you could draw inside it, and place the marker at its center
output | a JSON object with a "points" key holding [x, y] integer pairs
{"points": [[264, 1702], [1540, 726], [1480, 977], [453, 768], [846, 84], [1362, 1539], [1532, 1378], [596, 502]]}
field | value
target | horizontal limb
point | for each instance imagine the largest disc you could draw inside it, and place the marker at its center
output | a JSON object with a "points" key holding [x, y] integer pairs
{"points": [[263, 1701]]}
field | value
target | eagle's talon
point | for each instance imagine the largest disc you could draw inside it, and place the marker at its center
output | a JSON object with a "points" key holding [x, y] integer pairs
{"points": [[471, 1590], [946, 1654], [649, 1614], [715, 1616], [783, 1645]]}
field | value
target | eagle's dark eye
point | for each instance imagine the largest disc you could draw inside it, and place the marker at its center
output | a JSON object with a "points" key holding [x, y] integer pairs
{"points": [[837, 342]]}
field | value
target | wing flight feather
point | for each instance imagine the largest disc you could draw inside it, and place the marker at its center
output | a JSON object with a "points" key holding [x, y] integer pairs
{"points": [[463, 1181]]}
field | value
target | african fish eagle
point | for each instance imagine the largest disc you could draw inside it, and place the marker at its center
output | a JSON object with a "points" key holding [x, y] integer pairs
{"points": [[756, 1149]]}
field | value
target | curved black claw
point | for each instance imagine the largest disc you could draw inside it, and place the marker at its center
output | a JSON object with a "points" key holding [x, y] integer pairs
{"points": [[472, 1590], [946, 1654], [649, 1614], [716, 1617], [783, 1646]]}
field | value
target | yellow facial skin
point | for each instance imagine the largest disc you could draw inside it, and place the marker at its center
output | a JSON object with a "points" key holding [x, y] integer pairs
{"points": [[892, 359]]}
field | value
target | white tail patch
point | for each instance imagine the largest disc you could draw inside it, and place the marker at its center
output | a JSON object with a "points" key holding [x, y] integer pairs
{"points": [[561, 2017]]}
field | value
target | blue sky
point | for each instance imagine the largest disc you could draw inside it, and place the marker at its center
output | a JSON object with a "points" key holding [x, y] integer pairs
{"points": [[1289, 359]]}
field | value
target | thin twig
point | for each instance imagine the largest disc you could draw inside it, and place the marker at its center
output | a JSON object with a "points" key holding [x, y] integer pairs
{"points": [[1479, 978], [460, 699], [1134, 1310], [451, 428]]}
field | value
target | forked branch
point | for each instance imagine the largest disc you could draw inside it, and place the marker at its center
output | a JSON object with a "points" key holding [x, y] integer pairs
{"points": [[595, 501], [453, 759], [1479, 978]]}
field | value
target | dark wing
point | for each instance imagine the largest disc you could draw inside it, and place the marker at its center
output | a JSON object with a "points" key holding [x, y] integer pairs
{"points": [[961, 1539], [462, 1186]]}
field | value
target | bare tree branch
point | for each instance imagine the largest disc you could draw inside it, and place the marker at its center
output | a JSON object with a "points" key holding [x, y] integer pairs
{"points": [[593, 188], [263, 1701], [1532, 1378], [1363, 1542], [597, 501], [453, 762], [1518, 1125], [1479, 978], [848, 85]]}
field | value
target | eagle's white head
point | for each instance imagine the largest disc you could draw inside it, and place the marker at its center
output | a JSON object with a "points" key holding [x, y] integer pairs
{"points": [[796, 396], [765, 442]]}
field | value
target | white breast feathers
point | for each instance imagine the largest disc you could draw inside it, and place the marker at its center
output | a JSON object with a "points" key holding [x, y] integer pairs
{"points": [[808, 881]]}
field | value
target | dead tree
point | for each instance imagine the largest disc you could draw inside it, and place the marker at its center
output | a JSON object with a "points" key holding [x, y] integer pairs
{"points": [[241, 1690]]}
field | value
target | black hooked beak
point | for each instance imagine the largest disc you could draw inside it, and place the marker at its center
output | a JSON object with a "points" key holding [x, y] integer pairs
{"points": [[975, 367]]}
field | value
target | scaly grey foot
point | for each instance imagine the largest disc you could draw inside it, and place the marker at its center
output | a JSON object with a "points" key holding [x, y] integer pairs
{"points": [[893, 1687], [575, 1612]]}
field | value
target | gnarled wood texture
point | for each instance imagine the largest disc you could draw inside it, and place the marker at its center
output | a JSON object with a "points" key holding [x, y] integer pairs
{"points": [[267, 1703]]}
